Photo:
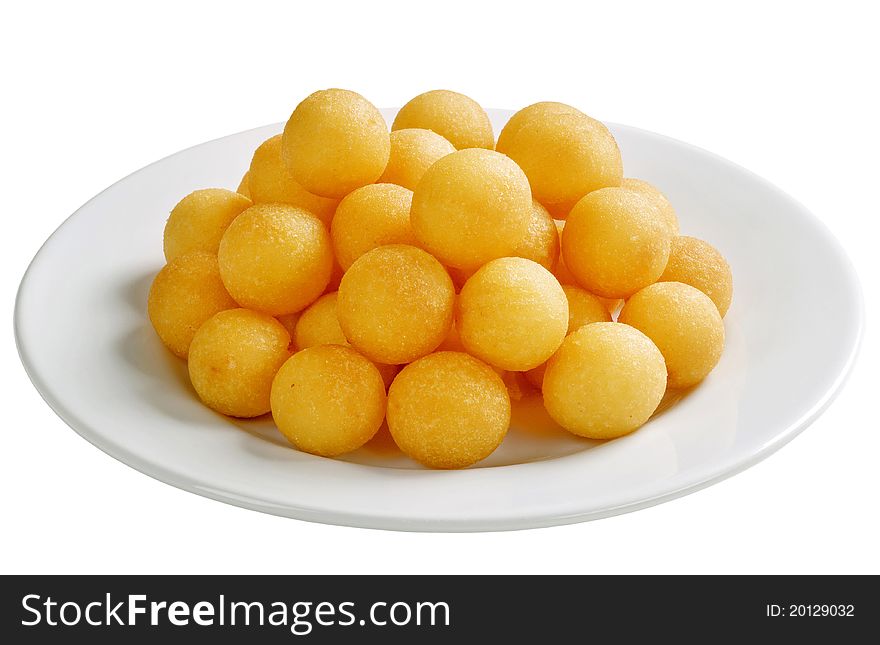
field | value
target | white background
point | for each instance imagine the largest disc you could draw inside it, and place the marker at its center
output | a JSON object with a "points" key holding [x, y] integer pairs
{"points": [[93, 91]]}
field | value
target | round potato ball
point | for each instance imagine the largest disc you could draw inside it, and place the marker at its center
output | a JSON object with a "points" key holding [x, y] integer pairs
{"points": [[413, 151], [276, 258], [328, 400], [455, 117], [541, 243], [684, 323], [319, 325], [369, 217], [605, 381], [667, 212], [566, 277], [583, 309], [471, 207], [243, 188], [615, 243], [234, 357], [270, 182], [395, 304], [512, 313], [199, 220], [448, 410], [520, 118], [335, 141], [565, 155], [184, 294], [700, 265]]}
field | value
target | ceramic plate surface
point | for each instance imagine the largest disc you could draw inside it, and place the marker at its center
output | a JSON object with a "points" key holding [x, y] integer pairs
{"points": [[792, 334]]}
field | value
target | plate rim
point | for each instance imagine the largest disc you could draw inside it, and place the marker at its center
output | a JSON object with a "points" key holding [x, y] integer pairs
{"points": [[156, 470]]}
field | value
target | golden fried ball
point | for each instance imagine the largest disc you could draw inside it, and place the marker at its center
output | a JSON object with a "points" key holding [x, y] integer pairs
{"points": [[471, 207], [541, 242], [448, 410], [667, 212], [395, 304], [199, 220], [512, 313], [614, 242], [565, 155], [243, 188], [565, 276], [328, 400], [684, 323], [368, 217], [276, 258], [335, 141], [605, 381], [413, 151], [455, 117], [700, 265], [269, 181], [184, 294], [583, 308], [318, 324], [536, 110], [234, 357]]}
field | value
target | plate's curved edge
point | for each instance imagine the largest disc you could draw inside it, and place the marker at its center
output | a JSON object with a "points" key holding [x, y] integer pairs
{"points": [[421, 525], [427, 526], [97, 195], [759, 179]]}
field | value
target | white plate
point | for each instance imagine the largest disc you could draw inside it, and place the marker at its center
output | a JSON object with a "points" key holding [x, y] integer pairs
{"points": [[792, 334]]}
